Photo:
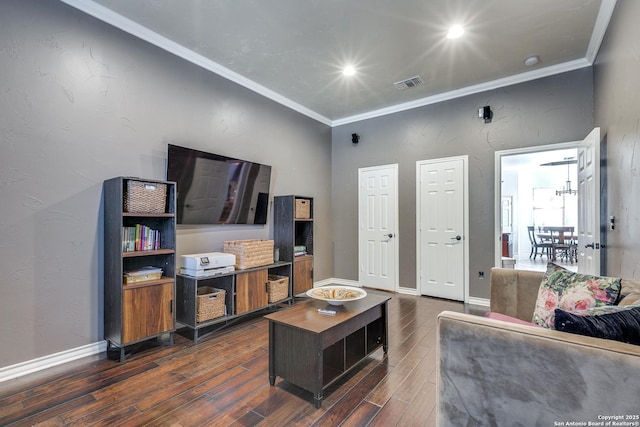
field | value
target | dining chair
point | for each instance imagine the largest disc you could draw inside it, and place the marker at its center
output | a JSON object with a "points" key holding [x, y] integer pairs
{"points": [[562, 243], [538, 248], [572, 240]]}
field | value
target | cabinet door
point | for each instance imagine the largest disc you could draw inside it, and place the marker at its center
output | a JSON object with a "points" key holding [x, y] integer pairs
{"points": [[302, 274], [146, 311], [251, 291]]}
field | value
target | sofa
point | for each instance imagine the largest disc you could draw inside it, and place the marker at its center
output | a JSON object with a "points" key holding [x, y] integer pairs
{"points": [[506, 373]]}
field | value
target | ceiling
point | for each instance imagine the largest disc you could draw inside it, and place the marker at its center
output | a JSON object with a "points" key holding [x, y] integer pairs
{"points": [[293, 51]]}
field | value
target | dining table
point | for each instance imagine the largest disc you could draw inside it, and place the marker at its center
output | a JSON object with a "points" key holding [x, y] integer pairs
{"points": [[562, 237]]}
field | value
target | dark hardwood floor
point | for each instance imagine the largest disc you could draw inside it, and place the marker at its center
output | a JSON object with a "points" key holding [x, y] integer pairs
{"points": [[223, 381]]}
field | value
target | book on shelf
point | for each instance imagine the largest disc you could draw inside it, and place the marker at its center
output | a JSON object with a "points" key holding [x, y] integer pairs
{"points": [[140, 238], [299, 250]]}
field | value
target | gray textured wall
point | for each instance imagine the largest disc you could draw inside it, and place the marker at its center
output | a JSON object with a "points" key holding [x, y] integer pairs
{"points": [[617, 111], [551, 110], [81, 102]]}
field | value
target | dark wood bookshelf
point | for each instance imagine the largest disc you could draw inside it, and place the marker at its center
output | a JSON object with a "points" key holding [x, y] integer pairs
{"points": [[290, 230], [145, 310]]}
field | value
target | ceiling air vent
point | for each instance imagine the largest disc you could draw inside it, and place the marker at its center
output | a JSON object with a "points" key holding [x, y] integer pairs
{"points": [[409, 83]]}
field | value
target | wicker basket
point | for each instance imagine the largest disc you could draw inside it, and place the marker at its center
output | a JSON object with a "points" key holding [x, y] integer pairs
{"points": [[145, 197], [278, 287], [250, 253], [210, 303], [303, 209]]}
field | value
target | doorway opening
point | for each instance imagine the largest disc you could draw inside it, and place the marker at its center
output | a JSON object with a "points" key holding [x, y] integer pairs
{"points": [[537, 196]]}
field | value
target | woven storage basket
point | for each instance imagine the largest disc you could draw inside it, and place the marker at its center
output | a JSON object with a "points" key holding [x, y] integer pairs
{"points": [[210, 303], [145, 197], [250, 253], [278, 287], [303, 209]]}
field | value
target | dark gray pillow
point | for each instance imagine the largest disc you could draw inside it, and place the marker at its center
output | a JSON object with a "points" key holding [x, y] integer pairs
{"points": [[621, 325]]}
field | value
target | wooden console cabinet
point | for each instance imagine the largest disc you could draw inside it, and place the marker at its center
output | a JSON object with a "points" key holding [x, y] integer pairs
{"points": [[250, 291], [302, 274], [313, 350], [245, 293], [147, 311]]}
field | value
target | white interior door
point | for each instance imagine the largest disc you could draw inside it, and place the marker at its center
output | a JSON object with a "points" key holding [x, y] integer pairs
{"points": [[378, 227], [589, 204], [442, 249], [507, 214]]}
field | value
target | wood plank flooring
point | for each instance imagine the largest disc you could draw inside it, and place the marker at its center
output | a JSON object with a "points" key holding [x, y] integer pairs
{"points": [[223, 381]]}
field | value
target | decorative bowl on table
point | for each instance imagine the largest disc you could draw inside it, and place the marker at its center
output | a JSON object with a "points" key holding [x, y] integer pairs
{"points": [[337, 295]]}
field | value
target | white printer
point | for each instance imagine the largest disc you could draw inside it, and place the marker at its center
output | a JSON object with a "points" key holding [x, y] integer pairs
{"points": [[207, 264]]}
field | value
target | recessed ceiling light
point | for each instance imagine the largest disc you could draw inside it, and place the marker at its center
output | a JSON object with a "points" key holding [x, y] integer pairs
{"points": [[455, 32], [349, 70], [531, 60]]}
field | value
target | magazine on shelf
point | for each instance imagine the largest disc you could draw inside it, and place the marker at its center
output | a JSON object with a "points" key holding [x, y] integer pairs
{"points": [[142, 274]]}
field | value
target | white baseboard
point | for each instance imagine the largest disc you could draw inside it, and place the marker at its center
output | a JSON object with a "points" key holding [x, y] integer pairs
{"points": [[408, 291], [334, 281], [35, 365], [41, 363], [484, 302], [346, 282], [478, 301], [45, 362]]}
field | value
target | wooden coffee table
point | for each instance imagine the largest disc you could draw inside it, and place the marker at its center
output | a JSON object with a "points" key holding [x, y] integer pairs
{"points": [[313, 350]]}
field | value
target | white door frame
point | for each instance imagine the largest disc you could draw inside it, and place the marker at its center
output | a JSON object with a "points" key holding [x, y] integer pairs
{"points": [[498, 185], [395, 203], [465, 232]]}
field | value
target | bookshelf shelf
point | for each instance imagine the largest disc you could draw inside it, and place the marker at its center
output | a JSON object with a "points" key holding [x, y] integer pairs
{"points": [[163, 280], [148, 253], [148, 215]]}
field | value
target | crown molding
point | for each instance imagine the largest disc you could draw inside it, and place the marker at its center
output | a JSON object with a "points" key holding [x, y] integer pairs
{"points": [[599, 29], [110, 17], [597, 36], [116, 20], [469, 90]]}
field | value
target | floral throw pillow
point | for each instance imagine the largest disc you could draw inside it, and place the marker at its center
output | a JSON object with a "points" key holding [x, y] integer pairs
{"points": [[569, 291]]}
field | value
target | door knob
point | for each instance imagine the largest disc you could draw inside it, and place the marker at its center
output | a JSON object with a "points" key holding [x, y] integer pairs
{"points": [[390, 235], [591, 245], [456, 238]]}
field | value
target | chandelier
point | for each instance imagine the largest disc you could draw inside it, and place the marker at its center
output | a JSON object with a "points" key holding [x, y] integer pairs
{"points": [[566, 189]]}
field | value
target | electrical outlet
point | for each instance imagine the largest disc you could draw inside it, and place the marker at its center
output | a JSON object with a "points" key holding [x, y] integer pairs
{"points": [[481, 275]]}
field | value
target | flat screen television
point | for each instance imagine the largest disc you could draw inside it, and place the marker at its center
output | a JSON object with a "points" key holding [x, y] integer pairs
{"points": [[214, 189]]}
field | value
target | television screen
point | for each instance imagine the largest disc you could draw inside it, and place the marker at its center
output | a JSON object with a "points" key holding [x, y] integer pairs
{"points": [[213, 189]]}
